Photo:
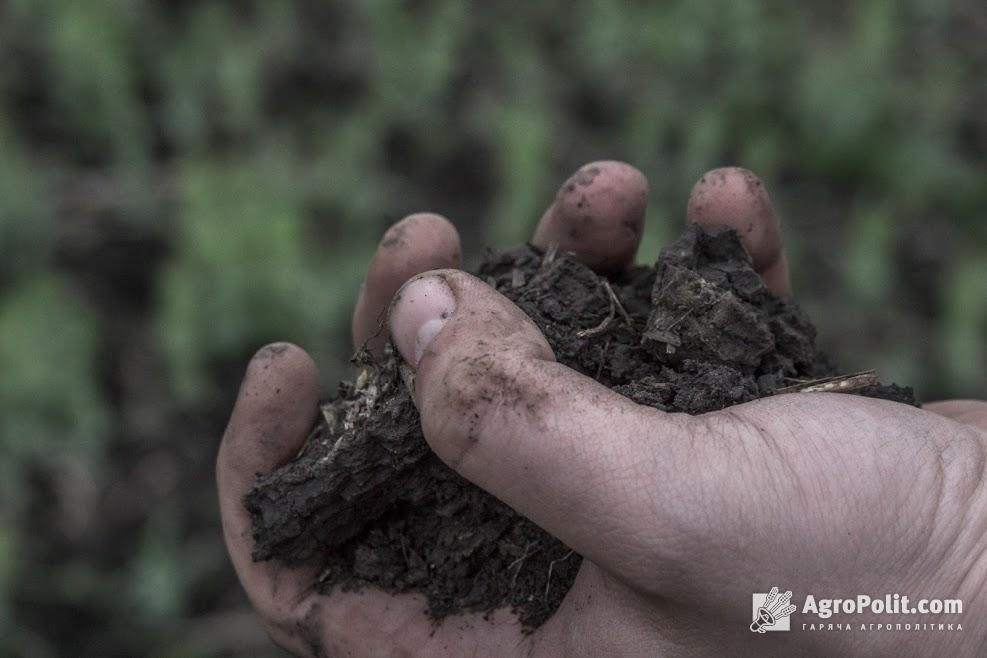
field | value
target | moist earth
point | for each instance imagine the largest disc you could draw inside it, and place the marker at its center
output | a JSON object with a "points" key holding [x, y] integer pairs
{"points": [[695, 333]]}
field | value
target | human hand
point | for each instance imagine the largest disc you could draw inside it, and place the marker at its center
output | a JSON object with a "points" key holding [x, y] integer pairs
{"points": [[679, 518]]}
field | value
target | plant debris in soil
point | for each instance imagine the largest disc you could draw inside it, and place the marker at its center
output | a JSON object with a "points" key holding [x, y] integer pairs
{"points": [[697, 332]]}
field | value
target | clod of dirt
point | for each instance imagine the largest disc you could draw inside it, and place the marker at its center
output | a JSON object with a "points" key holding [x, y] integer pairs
{"points": [[366, 497]]}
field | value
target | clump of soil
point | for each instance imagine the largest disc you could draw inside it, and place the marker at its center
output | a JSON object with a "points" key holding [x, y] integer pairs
{"points": [[697, 332]]}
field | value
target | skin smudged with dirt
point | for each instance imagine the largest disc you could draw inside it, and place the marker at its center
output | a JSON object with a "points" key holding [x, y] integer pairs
{"points": [[696, 332]]}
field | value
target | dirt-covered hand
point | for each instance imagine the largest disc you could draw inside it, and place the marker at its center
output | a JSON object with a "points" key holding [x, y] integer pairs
{"points": [[278, 403], [679, 518]]}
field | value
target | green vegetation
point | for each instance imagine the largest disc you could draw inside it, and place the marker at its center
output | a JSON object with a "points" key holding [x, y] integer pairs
{"points": [[181, 182]]}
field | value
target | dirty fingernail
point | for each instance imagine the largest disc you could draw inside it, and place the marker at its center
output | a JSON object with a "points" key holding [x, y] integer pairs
{"points": [[419, 311]]}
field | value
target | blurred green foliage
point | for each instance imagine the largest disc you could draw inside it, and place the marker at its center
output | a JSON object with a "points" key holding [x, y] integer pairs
{"points": [[242, 271], [181, 182]]}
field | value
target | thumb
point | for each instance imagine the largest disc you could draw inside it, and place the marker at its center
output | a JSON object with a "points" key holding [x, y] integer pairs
{"points": [[557, 446]]}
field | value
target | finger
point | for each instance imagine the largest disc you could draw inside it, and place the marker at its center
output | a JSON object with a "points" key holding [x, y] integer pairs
{"points": [[735, 197], [274, 412], [273, 415], [557, 446], [418, 243], [598, 214]]}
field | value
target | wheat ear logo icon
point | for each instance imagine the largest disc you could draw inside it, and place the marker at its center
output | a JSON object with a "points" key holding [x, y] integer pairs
{"points": [[775, 607]]}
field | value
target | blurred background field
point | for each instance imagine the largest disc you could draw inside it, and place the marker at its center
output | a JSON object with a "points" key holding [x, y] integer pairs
{"points": [[183, 181]]}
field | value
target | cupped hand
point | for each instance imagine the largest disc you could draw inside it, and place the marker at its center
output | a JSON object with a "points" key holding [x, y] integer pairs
{"points": [[680, 519]]}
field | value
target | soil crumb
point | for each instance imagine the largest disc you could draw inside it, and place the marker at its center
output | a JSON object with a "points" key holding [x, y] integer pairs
{"points": [[697, 332]]}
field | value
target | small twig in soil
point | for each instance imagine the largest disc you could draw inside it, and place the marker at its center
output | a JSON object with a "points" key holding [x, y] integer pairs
{"points": [[550, 254], [520, 563], [551, 567], [839, 384], [603, 326], [666, 330], [661, 293], [681, 317], [620, 307], [603, 358], [404, 552], [615, 306]]}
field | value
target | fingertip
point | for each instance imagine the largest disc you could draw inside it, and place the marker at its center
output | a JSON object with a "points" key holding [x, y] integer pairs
{"points": [[736, 197], [281, 369], [418, 243], [274, 411], [598, 214], [421, 226], [281, 359]]}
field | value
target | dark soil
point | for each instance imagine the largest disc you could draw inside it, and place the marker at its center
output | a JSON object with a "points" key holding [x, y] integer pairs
{"points": [[695, 333]]}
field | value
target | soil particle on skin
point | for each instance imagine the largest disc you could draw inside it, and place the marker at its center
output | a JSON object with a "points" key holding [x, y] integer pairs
{"points": [[366, 497]]}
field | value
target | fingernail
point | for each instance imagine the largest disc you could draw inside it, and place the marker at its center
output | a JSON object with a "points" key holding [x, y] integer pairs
{"points": [[418, 313]]}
